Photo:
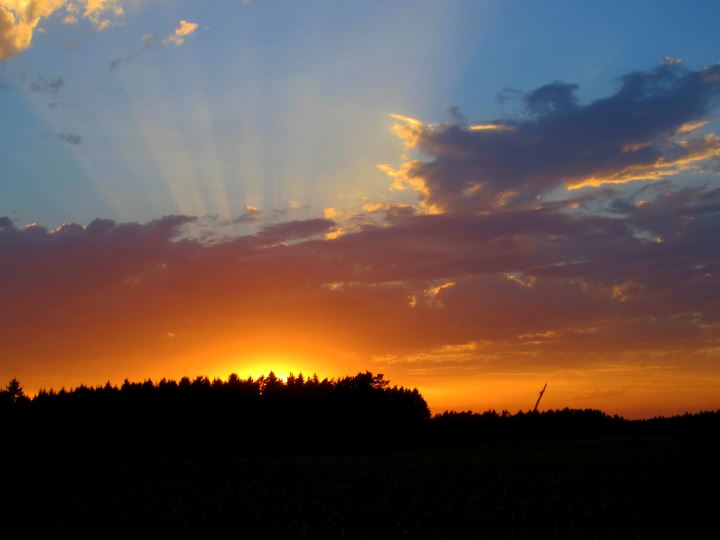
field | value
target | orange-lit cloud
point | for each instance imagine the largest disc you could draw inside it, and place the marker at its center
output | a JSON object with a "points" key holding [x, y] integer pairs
{"points": [[19, 19], [691, 126], [407, 129], [490, 127], [184, 29], [404, 178], [693, 152]]}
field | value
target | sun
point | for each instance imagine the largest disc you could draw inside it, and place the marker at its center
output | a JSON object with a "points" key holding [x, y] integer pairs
{"points": [[281, 365]]}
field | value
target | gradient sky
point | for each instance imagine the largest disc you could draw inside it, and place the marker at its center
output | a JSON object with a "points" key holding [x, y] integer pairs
{"points": [[471, 197]]}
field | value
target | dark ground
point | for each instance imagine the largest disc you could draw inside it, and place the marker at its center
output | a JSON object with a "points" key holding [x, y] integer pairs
{"points": [[583, 489]]}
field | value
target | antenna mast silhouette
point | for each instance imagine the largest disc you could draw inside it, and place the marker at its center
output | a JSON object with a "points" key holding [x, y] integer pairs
{"points": [[539, 398]]}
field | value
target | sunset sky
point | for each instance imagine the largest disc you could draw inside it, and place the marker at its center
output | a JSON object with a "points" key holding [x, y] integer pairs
{"points": [[471, 197]]}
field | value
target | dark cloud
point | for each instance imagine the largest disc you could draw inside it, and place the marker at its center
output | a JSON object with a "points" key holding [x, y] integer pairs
{"points": [[293, 206], [630, 135], [508, 94], [457, 114], [149, 43], [251, 215], [62, 104], [116, 63], [70, 138], [551, 99], [247, 217], [514, 273], [296, 230], [52, 86]]}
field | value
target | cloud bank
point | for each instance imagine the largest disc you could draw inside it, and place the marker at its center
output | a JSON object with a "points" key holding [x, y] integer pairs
{"points": [[645, 131]]}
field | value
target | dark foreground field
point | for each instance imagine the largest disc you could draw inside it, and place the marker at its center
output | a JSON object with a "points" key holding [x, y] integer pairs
{"points": [[582, 489]]}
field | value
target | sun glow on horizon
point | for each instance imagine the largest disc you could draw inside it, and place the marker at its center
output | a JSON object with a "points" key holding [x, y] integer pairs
{"points": [[281, 365]]}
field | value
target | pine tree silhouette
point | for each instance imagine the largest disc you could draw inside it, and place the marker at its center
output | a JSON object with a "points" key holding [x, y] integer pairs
{"points": [[15, 390]]}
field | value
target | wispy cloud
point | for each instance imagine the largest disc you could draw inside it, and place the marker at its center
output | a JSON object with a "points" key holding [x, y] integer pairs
{"points": [[151, 42], [70, 138], [52, 86]]}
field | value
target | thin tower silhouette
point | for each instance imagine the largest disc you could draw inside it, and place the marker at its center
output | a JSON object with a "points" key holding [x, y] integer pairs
{"points": [[539, 398]]}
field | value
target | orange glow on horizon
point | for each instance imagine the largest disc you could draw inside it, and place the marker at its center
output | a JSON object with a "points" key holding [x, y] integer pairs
{"points": [[447, 381], [282, 365]]}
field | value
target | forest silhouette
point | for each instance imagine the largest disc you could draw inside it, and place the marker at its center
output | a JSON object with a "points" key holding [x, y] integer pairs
{"points": [[201, 416], [268, 415]]}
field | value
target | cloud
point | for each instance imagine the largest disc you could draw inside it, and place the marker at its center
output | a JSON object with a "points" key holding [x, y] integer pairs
{"points": [[430, 295], [586, 271], [151, 42], [19, 19], [70, 138], [291, 207], [184, 29], [248, 217], [551, 99], [52, 86], [98, 12], [508, 94], [295, 230], [642, 132]]}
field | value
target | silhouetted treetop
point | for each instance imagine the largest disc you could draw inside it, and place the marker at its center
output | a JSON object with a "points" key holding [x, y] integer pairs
{"points": [[14, 390]]}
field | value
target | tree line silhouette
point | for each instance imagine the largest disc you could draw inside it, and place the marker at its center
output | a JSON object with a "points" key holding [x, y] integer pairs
{"points": [[273, 416], [201, 415]]}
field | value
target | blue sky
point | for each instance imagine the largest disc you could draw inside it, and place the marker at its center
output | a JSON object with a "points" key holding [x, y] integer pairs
{"points": [[270, 103]]}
